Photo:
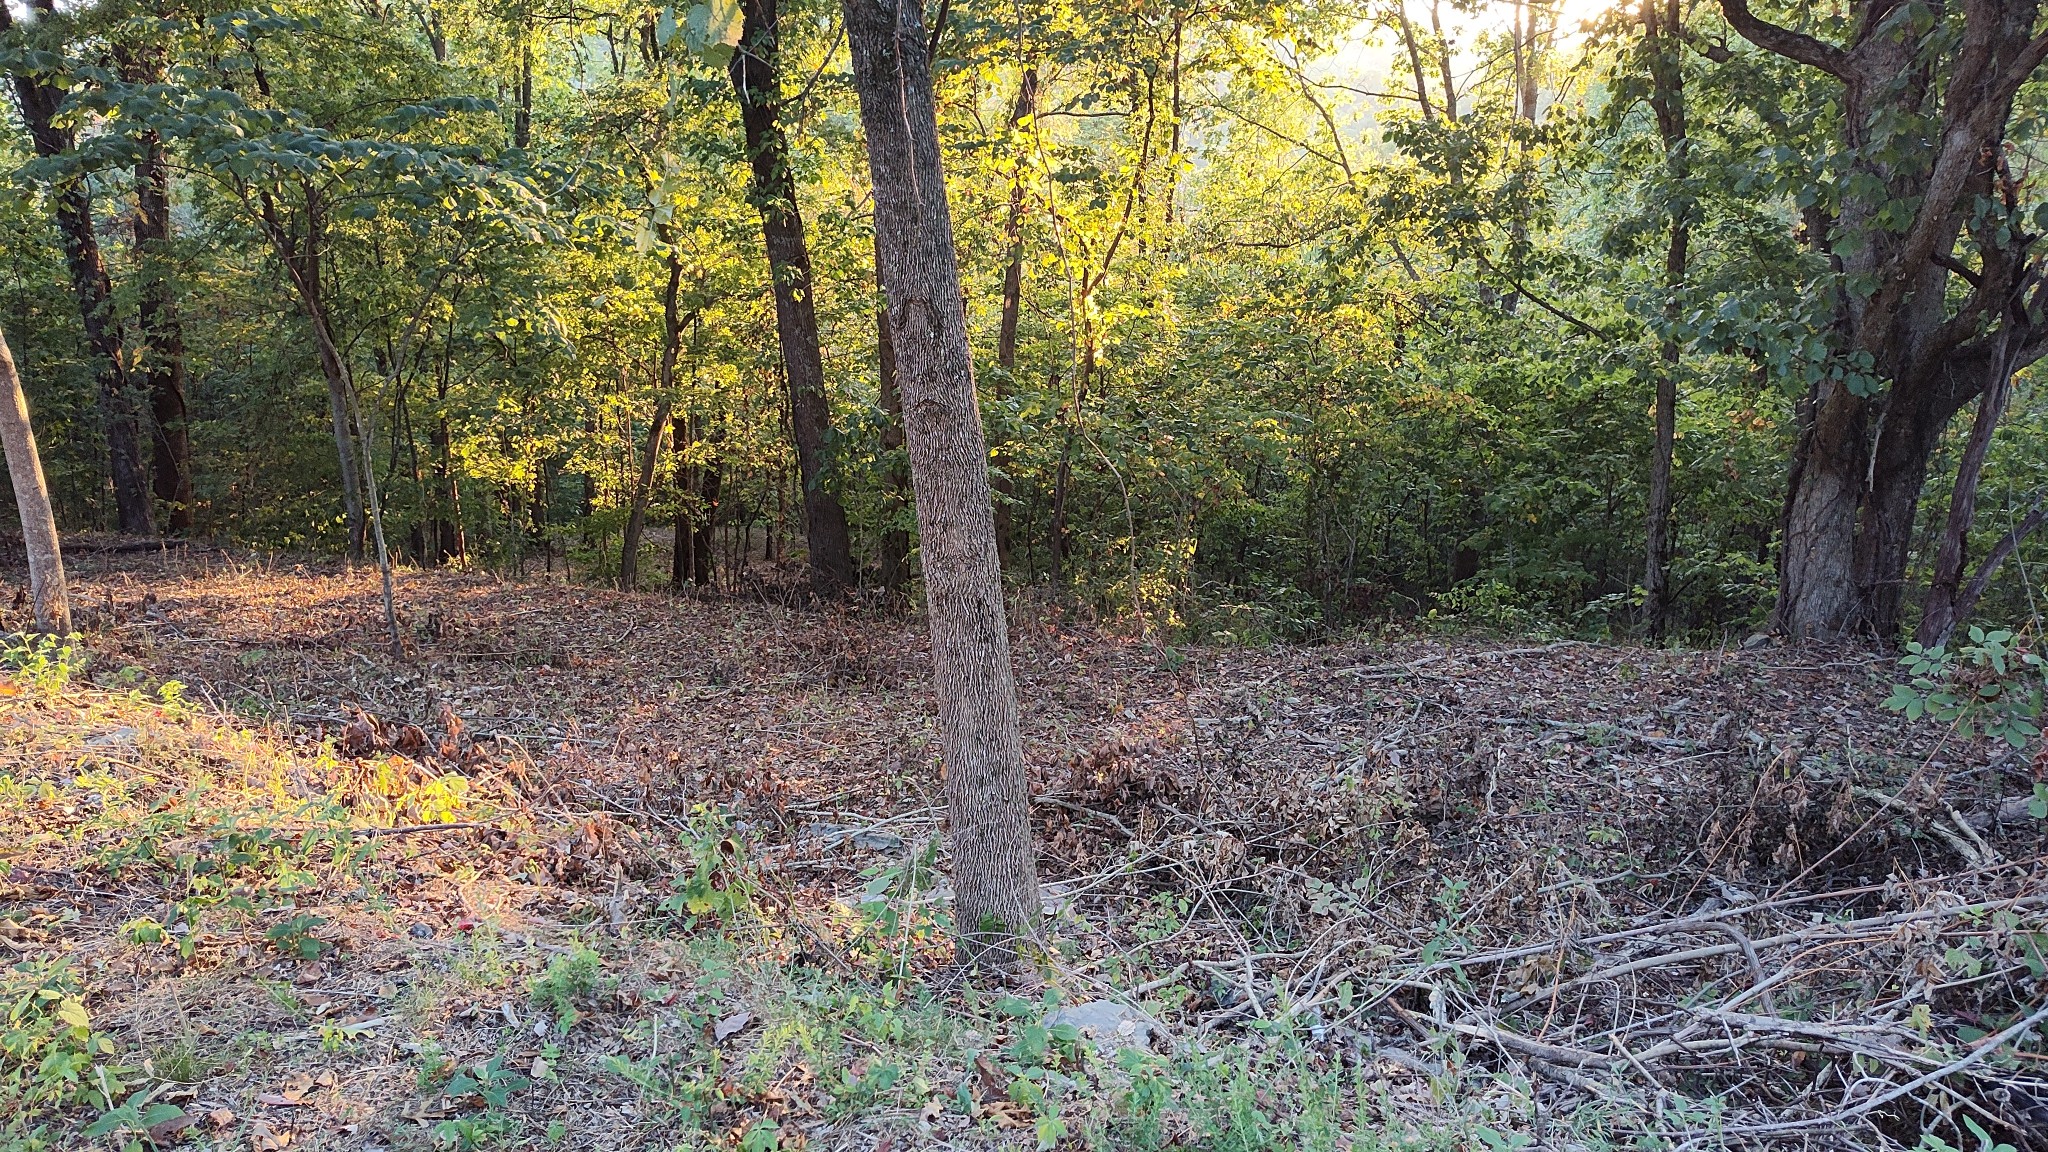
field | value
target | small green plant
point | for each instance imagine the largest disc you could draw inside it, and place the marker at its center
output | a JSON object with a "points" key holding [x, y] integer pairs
{"points": [[1990, 686], [715, 886], [50, 1056], [492, 1083], [45, 663], [570, 981], [294, 937]]}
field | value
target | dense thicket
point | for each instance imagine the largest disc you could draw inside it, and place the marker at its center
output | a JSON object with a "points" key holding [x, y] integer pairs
{"points": [[1284, 316]]}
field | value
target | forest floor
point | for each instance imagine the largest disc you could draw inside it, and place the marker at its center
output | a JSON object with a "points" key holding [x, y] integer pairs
{"points": [[584, 869]]}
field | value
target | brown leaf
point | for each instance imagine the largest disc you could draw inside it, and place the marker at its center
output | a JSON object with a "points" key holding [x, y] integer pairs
{"points": [[1007, 1114], [264, 1138]]}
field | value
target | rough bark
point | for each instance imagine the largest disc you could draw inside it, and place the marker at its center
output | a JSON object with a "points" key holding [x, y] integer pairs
{"points": [[995, 884], [773, 191], [32, 498], [895, 540], [1855, 482], [163, 357], [39, 102]]}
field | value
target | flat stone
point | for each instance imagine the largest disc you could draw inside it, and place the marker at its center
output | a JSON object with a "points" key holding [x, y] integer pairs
{"points": [[1107, 1025]]}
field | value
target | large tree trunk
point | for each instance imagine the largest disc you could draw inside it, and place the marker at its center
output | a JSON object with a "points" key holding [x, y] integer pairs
{"points": [[995, 880], [1922, 127], [32, 499], [39, 102], [796, 319]]}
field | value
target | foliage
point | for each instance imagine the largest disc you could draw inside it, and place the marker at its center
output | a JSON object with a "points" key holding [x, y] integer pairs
{"points": [[1989, 686]]}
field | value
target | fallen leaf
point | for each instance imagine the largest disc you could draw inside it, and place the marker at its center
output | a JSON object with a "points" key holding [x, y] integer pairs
{"points": [[539, 1071], [221, 1117], [172, 1130], [730, 1026], [264, 1138], [1006, 1114]]}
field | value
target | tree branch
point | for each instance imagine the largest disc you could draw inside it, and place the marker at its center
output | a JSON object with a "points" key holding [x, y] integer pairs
{"points": [[1784, 41]]}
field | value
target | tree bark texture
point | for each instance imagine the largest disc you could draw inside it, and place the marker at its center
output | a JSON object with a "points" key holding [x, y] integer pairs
{"points": [[895, 539], [32, 499], [163, 355], [995, 881], [773, 191]]}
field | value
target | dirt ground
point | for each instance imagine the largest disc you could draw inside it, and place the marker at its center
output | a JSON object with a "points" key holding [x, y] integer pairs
{"points": [[1254, 834]]}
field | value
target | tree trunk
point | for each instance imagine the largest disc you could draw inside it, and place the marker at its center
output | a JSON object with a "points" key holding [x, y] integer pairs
{"points": [[39, 102], [995, 882], [657, 430], [1667, 102], [1414, 59], [32, 499], [1945, 587], [163, 363], [773, 192], [1908, 351], [1026, 105], [301, 257]]}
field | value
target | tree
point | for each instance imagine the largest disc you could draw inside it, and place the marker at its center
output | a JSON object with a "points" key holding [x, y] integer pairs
{"points": [[1663, 49], [995, 882], [32, 498], [163, 352], [755, 82], [1923, 194], [41, 102]]}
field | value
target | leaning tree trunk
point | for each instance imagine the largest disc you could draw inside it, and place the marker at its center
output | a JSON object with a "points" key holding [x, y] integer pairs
{"points": [[773, 192], [1944, 588], [32, 499], [657, 430], [995, 880]]}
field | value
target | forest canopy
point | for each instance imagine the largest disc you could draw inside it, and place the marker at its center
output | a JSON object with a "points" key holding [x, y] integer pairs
{"points": [[1671, 318]]}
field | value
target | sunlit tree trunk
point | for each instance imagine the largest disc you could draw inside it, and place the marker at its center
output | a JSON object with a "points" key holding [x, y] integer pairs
{"points": [[32, 498], [994, 871]]}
